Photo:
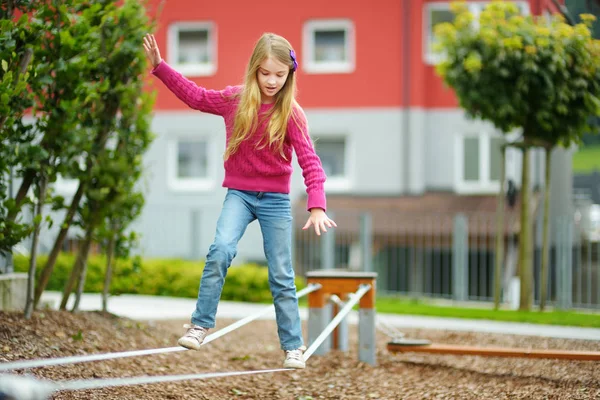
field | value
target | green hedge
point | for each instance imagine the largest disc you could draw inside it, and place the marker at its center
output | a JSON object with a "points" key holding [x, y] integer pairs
{"points": [[158, 277]]}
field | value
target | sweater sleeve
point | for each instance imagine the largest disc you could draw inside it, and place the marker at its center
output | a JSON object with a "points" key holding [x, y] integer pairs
{"points": [[312, 169], [196, 97]]}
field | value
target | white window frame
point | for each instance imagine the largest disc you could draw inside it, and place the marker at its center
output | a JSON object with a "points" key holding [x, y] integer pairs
{"points": [[191, 70], [339, 184], [429, 56], [484, 184], [177, 184], [314, 67]]}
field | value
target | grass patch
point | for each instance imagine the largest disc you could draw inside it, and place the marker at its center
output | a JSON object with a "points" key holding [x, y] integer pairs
{"points": [[586, 159], [406, 306], [393, 305]]}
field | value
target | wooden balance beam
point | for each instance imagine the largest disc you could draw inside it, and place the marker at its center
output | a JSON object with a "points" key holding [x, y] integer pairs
{"points": [[420, 346]]}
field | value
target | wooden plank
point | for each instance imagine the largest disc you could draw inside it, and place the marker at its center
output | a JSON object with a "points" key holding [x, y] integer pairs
{"points": [[495, 352], [341, 273], [340, 286], [333, 285]]}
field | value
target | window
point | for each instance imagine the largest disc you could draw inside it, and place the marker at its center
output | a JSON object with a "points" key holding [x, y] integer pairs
{"points": [[478, 162], [471, 159], [189, 164], [192, 48], [333, 154], [328, 46], [437, 13], [495, 158]]}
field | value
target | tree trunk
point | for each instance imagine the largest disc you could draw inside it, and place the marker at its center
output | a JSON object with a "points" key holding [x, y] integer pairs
{"points": [[499, 234], [47, 271], [546, 233], [82, 277], [89, 236], [525, 245], [108, 276], [76, 272], [29, 305], [20, 197]]}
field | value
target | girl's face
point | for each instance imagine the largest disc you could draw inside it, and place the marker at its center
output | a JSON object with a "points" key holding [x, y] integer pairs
{"points": [[271, 76]]}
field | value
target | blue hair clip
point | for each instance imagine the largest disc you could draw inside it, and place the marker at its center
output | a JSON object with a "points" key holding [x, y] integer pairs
{"points": [[293, 56]]}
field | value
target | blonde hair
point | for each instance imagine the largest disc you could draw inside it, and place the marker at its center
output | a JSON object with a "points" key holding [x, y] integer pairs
{"points": [[246, 118]]}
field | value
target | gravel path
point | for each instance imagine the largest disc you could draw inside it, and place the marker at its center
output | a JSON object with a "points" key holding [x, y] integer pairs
{"points": [[334, 376]]}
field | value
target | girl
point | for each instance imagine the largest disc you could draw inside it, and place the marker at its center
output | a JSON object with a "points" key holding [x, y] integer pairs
{"points": [[263, 123]]}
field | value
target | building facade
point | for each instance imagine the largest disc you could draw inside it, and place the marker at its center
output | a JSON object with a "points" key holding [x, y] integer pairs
{"points": [[383, 123]]}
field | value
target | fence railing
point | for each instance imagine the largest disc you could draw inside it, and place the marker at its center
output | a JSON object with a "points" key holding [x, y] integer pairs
{"points": [[435, 255], [452, 256]]}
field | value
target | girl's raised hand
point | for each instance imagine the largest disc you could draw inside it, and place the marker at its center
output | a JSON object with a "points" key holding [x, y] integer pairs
{"points": [[152, 51], [319, 220]]}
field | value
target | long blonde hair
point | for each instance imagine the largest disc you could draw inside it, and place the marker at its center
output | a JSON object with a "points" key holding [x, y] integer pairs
{"points": [[246, 118]]}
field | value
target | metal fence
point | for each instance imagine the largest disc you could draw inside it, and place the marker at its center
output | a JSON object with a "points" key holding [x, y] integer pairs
{"points": [[453, 256], [422, 254]]}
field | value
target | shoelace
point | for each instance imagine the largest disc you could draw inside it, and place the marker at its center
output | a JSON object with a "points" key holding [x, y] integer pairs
{"points": [[195, 331], [294, 354]]}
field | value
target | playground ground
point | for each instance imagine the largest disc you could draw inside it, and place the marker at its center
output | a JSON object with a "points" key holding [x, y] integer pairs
{"points": [[338, 375]]}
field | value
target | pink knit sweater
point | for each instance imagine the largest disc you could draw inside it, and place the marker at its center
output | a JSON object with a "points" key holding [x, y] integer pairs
{"points": [[251, 168]]}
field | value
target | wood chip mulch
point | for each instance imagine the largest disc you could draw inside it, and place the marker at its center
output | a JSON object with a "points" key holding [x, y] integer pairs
{"points": [[338, 375]]}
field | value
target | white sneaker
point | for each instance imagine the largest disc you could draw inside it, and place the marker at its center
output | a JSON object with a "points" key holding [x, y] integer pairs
{"points": [[193, 338], [295, 358]]}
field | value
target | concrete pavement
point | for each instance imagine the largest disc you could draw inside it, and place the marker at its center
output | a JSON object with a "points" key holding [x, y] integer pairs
{"points": [[141, 307]]}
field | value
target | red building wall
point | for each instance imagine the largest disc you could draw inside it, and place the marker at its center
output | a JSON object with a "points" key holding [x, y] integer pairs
{"points": [[379, 76], [374, 83]]}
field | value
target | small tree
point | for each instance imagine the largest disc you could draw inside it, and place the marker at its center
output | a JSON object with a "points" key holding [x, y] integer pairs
{"points": [[37, 224], [523, 72], [47, 68], [79, 66], [122, 112], [64, 57], [62, 95], [119, 66], [18, 37]]}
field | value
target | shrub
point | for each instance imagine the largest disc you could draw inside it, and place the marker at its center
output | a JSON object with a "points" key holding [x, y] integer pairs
{"points": [[158, 277]]}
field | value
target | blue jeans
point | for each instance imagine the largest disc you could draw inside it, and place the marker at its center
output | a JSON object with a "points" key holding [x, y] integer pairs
{"points": [[273, 211]]}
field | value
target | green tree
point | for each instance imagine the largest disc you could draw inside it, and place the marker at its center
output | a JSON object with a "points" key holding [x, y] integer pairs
{"points": [[79, 67], [62, 95], [121, 112], [574, 9], [119, 66], [57, 92], [65, 57], [18, 37], [527, 73]]}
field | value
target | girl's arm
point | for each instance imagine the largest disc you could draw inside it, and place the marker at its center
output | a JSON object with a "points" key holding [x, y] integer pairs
{"points": [[312, 171], [196, 97]]}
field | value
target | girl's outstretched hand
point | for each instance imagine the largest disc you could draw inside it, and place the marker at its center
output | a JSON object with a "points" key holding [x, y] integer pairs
{"points": [[319, 220], [152, 51]]}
